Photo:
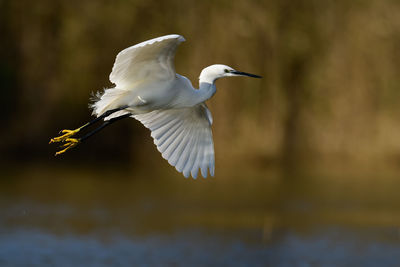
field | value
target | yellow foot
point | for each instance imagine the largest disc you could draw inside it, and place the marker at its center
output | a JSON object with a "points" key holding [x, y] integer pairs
{"points": [[70, 143], [66, 134]]}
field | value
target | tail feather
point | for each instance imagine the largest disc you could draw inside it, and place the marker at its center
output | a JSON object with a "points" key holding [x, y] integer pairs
{"points": [[106, 100]]}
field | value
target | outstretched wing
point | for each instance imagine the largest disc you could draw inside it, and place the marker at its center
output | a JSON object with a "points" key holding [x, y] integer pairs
{"points": [[152, 59], [184, 138]]}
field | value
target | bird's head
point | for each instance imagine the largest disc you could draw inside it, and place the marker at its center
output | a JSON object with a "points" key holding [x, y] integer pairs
{"points": [[214, 72]]}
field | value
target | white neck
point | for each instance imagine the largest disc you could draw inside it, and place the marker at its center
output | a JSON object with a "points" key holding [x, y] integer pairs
{"points": [[205, 92]]}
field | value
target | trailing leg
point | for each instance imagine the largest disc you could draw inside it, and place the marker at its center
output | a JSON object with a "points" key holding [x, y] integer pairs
{"points": [[70, 142], [69, 133]]}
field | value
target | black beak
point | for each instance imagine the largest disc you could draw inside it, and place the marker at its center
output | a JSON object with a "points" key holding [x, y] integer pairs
{"points": [[245, 74]]}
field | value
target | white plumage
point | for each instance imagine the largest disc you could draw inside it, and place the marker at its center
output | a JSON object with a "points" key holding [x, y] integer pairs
{"points": [[148, 89], [183, 137]]}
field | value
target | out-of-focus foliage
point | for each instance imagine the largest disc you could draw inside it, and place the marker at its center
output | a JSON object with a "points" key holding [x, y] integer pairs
{"points": [[331, 86]]}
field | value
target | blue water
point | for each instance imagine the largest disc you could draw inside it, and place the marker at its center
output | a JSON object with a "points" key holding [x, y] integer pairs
{"points": [[327, 247]]}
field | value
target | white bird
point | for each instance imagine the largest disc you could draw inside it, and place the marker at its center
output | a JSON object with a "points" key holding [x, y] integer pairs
{"points": [[148, 89]]}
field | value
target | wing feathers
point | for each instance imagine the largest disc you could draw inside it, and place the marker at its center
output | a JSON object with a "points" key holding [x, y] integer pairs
{"points": [[199, 159], [192, 158], [204, 163], [186, 151], [170, 144], [164, 133], [184, 138], [152, 59]]}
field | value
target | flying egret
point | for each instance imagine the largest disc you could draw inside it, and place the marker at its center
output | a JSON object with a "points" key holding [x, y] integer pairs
{"points": [[148, 89]]}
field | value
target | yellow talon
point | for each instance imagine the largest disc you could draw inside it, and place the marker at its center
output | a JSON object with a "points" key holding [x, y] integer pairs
{"points": [[71, 142], [67, 140], [65, 136]]}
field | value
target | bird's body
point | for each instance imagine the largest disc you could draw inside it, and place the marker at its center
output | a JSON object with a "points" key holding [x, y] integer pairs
{"points": [[148, 89], [148, 96]]}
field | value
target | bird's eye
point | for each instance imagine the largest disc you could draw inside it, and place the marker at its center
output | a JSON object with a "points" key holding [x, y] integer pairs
{"points": [[226, 70]]}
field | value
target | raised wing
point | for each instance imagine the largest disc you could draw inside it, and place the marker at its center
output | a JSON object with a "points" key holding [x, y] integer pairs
{"points": [[152, 59], [184, 138]]}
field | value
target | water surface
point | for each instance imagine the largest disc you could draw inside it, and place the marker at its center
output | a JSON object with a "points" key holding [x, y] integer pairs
{"points": [[74, 216]]}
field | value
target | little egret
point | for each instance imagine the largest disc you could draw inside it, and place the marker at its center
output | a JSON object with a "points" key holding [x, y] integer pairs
{"points": [[148, 89]]}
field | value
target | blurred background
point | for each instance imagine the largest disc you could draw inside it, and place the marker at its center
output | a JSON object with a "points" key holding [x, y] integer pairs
{"points": [[307, 158]]}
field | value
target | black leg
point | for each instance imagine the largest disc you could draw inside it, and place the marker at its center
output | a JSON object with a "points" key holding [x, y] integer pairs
{"points": [[106, 123], [102, 116]]}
